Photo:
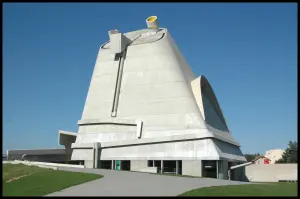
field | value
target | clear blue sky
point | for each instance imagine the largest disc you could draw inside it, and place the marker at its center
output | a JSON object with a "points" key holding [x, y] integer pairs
{"points": [[248, 52]]}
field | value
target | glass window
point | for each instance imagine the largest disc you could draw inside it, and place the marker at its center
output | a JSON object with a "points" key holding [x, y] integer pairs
{"points": [[150, 163], [157, 163]]}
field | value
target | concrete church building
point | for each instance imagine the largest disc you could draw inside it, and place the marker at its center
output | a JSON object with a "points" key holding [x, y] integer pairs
{"points": [[146, 111]]}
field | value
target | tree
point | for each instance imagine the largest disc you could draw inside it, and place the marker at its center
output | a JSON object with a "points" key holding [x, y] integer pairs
{"points": [[290, 155], [250, 157]]}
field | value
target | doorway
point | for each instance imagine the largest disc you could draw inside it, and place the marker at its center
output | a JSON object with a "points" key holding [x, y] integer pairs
{"points": [[125, 165], [209, 168], [118, 165], [169, 166], [105, 164]]}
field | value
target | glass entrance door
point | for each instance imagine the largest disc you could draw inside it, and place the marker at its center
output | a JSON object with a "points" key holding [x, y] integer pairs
{"points": [[118, 165]]}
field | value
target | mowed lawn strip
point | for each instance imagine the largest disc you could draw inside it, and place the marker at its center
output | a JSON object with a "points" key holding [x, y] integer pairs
{"points": [[36, 181], [270, 189]]}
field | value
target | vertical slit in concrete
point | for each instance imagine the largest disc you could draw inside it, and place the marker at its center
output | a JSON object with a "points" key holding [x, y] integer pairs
{"points": [[118, 83]]}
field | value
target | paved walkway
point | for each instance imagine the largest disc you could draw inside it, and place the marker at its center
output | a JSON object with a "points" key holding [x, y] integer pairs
{"points": [[125, 183]]}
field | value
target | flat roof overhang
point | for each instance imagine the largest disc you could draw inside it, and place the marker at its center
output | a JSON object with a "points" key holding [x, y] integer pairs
{"points": [[65, 137]]}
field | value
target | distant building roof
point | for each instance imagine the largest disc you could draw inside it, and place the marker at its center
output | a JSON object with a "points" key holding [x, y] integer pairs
{"points": [[259, 157]]}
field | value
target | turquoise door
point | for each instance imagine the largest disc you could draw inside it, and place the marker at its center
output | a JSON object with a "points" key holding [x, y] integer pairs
{"points": [[118, 165]]}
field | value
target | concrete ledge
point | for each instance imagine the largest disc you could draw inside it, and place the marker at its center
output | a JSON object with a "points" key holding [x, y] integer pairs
{"points": [[43, 164], [221, 135], [173, 138], [225, 139], [152, 140], [108, 121], [82, 146], [67, 133], [65, 137], [147, 170], [198, 134]]}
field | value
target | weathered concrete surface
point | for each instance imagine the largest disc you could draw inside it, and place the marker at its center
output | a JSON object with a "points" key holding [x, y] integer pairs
{"points": [[143, 97], [271, 172], [125, 183]]}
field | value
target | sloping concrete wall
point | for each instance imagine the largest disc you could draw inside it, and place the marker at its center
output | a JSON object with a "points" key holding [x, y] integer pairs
{"points": [[151, 83], [271, 172], [155, 86]]}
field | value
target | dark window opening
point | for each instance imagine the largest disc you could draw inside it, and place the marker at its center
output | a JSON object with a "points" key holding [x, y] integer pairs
{"points": [[157, 163], [125, 165], [150, 163], [209, 168], [117, 56], [105, 164], [169, 166]]}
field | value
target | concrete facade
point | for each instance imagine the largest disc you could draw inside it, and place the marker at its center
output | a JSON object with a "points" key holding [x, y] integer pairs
{"points": [[272, 172], [192, 168], [144, 103], [88, 163], [138, 164]]}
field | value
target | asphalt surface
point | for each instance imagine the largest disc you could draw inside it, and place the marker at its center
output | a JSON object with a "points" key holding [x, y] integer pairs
{"points": [[125, 183]]}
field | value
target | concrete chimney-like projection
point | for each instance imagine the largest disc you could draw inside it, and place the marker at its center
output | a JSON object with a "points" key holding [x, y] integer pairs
{"points": [[146, 111]]}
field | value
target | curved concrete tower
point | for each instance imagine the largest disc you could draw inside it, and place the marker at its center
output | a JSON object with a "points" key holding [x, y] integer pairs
{"points": [[145, 104]]}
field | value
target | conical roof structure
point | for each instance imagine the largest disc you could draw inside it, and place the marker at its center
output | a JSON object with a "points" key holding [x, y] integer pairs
{"points": [[145, 102]]}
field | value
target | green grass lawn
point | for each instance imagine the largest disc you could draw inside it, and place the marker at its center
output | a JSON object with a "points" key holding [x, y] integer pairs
{"points": [[38, 181], [271, 189]]}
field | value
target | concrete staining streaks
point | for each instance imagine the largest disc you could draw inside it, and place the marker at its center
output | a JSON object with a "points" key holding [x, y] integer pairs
{"points": [[142, 76], [145, 104]]}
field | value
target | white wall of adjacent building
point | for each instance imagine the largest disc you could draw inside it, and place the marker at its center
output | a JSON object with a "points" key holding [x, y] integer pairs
{"points": [[274, 155]]}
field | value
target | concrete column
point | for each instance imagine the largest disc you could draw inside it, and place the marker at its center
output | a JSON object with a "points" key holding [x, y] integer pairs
{"points": [[112, 165], [177, 167], [96, 155], [88, 164], [162, 166], [68, 151], [217, 166], [221, 170]]}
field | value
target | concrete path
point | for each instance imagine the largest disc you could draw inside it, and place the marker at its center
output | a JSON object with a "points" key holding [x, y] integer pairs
{"points": [[125, 183]]}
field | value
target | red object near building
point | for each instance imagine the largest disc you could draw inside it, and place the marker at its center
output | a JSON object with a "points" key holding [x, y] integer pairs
{"points": [[266, 161]]}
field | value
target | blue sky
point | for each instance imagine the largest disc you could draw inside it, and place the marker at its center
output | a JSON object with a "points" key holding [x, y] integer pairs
{"points": [[248, 52]]}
